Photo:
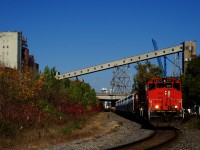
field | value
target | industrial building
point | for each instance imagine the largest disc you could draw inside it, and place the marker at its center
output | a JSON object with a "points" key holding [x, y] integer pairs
{"points": [[189, 52], [14, 52]]}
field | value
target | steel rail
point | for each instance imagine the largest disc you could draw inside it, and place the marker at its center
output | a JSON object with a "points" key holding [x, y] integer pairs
{"points": [[159, 139]]}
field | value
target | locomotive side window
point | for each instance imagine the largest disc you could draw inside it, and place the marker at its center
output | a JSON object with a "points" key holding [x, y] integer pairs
{"points": [[177, 86], [151, 86]]}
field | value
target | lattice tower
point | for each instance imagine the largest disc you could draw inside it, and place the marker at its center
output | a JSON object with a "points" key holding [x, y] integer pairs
{"points": [[121, 81]]}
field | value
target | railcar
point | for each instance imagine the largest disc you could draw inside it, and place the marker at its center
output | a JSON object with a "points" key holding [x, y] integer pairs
{"points": [[128, 105]]}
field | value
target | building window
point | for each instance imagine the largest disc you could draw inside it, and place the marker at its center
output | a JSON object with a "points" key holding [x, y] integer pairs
{"points": [[7, 46]]}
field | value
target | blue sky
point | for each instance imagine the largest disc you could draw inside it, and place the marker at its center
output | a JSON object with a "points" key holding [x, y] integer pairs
{"points": [[75, 34]]}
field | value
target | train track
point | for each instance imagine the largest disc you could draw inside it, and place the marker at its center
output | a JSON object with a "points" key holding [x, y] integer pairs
{"points": [[160, 139]]}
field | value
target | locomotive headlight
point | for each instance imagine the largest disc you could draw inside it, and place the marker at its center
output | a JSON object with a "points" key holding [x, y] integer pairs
{"points": [[156, 107]]}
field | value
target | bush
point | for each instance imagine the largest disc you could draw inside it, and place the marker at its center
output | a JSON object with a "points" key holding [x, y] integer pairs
{"points": [[25, 115], [75, 109], [7, 130]]}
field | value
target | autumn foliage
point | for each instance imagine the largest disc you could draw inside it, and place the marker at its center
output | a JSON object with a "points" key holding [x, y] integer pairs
{"points": [[28, 101]]}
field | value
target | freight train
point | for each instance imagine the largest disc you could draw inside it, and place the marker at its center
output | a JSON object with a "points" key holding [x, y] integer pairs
{"points": [[162, 101]]}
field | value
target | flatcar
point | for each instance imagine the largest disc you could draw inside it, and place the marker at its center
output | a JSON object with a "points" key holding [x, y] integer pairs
{"points": [[162, 100]]}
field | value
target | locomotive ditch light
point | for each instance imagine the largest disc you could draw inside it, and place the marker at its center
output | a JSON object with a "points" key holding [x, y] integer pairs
{"points": [[175, 106], [156, 107]]}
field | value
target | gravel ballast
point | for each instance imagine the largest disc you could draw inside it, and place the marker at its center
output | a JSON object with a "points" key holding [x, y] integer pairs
{"points": [[121, 131]]}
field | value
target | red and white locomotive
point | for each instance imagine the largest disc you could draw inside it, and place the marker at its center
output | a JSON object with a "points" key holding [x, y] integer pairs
{"points": [[163, 100]]}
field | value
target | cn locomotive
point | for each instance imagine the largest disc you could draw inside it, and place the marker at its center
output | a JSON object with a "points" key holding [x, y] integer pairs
{"points": [[163, 101]]}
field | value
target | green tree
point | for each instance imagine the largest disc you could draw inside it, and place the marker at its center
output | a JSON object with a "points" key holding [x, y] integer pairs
{"points": [[73, 90], [49, 81], [81, 93], [145, 72], [191, 83], [53, 91]]}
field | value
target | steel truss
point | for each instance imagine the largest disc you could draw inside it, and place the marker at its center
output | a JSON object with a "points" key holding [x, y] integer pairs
{"points": [[121, 81]]}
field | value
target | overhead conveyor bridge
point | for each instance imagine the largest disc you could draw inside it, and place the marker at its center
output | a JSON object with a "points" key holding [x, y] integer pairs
{"points": [[125, 61]]}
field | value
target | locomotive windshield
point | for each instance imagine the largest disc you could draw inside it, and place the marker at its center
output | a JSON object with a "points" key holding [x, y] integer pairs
{"points": [[160, 85], [168, 85], [164, 83], [151, 86]]}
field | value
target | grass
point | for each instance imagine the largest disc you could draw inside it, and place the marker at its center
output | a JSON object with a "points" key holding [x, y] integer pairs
{"points": [[69, 129], [47, 134]]}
